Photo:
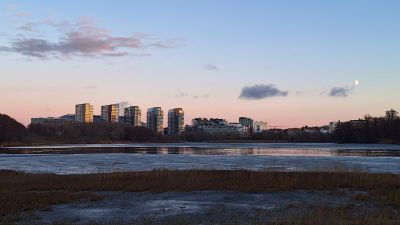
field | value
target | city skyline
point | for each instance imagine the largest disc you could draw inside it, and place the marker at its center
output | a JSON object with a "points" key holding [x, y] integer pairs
{"points": [[174, 125], [285, 62]]}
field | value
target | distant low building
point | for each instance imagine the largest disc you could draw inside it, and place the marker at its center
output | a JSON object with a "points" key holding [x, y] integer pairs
{"points": [[215, 125], [238, 128], [69, 117], [260, 126], [333, 126], [276, 131], [218, 121], [310, 130], [121, 120], [247, 123], [293, 132], [97, 119], [199, 122], [230, 128], [324, 129], [66, 119]]}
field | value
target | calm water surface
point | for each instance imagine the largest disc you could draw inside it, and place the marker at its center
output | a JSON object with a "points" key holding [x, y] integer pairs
{"points": [[67, 159]]}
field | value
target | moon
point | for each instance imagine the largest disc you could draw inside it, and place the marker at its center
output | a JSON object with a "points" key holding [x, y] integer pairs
{"points": [[356, 82]]}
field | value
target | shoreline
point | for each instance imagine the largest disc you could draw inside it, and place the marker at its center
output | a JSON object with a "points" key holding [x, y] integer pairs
{"points": [[151, 142], [184, 143]]}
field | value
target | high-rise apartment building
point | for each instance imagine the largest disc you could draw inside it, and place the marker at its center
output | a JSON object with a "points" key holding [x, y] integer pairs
{"points": [[110, 113], [155, 119], [84, 113], [133, 115], [175, 121]]}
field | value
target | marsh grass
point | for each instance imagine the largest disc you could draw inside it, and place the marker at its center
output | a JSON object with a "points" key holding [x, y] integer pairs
{"points": [[190, 180], [346, 214], [21, 192]]}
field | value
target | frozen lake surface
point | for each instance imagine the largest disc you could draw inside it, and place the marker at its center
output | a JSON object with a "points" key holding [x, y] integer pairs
{"points": [[67, 159], [196, 207]]}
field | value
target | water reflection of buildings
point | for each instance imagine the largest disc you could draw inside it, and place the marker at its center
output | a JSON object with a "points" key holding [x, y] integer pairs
{"points": [[296, 152], [215, 151], [174, 150]]}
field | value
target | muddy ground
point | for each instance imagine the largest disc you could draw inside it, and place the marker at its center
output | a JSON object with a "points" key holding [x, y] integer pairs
{"points": [[197, 207]]}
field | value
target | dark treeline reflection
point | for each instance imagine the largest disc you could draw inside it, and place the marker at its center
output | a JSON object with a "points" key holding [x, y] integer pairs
{"points": [[367, 130]]}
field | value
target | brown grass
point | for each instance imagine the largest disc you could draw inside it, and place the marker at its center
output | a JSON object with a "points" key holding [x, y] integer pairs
{"points": [[166, 180], [14, 202], [22, 191], [325, 215]]}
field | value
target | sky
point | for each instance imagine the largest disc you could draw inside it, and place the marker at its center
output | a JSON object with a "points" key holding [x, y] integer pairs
{"points": [[288, 62]]}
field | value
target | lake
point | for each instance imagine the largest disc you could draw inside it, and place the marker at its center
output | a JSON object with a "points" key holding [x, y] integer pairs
{"points": [[95, 158]]}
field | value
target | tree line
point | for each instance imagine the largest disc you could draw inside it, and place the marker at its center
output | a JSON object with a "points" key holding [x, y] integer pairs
{"points": [[14, 133], [367, 130], [370, 129]]}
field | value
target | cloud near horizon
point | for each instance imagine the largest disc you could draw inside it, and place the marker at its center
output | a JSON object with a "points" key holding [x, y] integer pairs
{"points": [[185, 94], [81, 39], [201, 96], [211, 67], [22, 14], [90, 87], [340, 92], [182, 94], [261, 91]]}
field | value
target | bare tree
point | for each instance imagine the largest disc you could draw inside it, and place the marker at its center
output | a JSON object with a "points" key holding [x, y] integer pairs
{"points": [[392, 115], [368, 117]]}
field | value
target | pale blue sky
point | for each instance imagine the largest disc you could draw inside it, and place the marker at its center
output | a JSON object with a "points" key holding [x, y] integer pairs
{"points": [[215, 48]]}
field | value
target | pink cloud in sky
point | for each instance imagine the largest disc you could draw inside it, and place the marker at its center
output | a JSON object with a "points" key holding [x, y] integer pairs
{"points": [[83, 39]]}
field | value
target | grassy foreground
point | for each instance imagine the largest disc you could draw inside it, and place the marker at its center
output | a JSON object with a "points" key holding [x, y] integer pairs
{"points": [[21, 192]]}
